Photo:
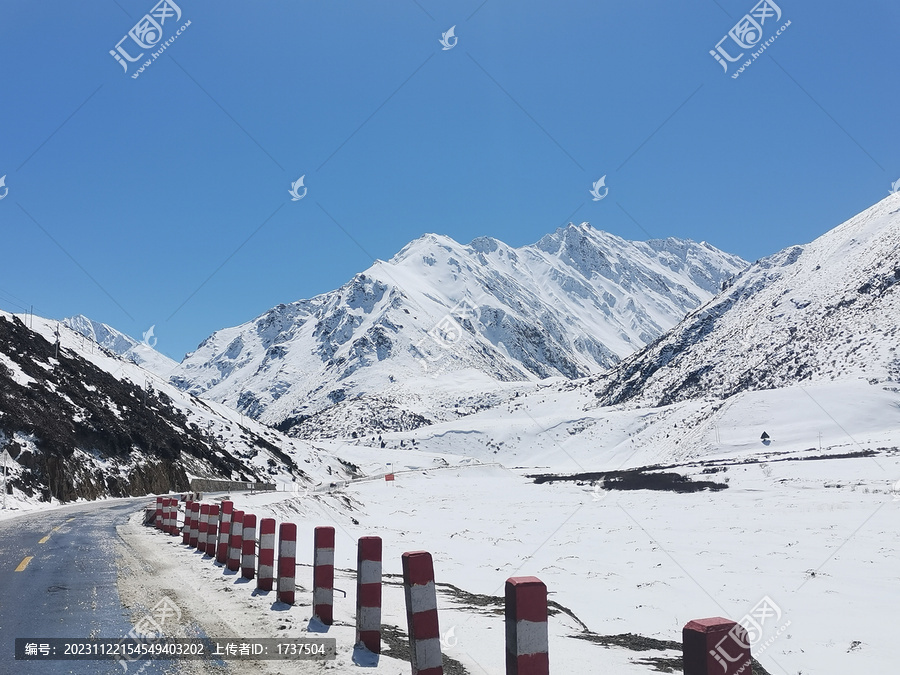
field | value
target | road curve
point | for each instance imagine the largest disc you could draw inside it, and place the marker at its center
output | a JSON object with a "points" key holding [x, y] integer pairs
{"points": [[58, 579]]}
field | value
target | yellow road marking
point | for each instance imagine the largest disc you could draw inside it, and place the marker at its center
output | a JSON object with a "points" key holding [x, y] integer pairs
{"points": [[24, 563], [55, 529]]}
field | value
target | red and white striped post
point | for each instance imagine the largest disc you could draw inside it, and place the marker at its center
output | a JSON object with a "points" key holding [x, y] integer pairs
{"points": [[323, 574], [186, 528], [203, 527], [224, 531], [235, 541], [195, 525], [248, 547], [368, 593], [287, 562], [158, 516], [526, 627], [421, 613], [172, 528], [212, 531], [715, 646], [266, 571], [164, 525]]}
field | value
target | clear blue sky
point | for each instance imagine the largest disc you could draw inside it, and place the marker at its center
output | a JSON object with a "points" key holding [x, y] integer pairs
{"points": [[163, 199]]}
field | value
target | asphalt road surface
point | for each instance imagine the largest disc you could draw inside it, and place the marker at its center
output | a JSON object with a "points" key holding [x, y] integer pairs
{"points": [[58, 579]]}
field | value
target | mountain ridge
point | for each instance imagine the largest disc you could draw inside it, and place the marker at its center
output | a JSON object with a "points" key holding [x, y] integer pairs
{"points": [[570, 305], [795, 316]]}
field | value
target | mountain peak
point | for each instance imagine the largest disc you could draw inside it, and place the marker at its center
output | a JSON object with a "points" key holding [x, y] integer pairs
{"points": [[570, 305]]}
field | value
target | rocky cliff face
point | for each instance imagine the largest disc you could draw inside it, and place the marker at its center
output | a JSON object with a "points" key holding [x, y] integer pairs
{"points": [[75, 431]]}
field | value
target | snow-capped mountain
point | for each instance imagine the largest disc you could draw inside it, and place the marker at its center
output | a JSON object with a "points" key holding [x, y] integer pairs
{"points": [[124, 345], [572, 304], [825, 311]]}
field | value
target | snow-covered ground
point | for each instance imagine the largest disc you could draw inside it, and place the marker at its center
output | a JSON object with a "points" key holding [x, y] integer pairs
{"points": [[816, 535]]}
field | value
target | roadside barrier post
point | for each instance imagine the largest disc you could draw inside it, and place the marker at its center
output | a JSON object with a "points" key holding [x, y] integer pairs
{"points": [[224, 531], [212, 531], [235, 541], [248, 547], [715, 646], [266, 572], [421, 614], [186, 528], [203, 527], [323, 575], [526, 627], [287, 562], [194, 532], [368, 593]]}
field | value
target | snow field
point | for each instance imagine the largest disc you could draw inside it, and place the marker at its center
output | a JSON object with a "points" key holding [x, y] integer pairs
{"points": [[817, 537]]}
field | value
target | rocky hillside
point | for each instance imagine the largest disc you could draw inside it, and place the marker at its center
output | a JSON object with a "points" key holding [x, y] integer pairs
{"points": [[82, 428]]}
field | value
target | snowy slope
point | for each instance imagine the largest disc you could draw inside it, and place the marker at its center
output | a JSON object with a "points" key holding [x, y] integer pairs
{"points": [[117, 342], [572, 304], [829, 310], [84, 422]]}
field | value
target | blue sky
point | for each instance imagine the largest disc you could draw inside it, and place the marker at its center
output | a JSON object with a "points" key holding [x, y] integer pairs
{"points": [[163, 199]]}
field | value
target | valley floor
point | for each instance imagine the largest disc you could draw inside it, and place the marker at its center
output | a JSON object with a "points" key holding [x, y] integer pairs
{"points": [[817, 537]]}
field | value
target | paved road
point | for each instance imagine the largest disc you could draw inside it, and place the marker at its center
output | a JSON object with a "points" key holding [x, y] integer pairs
{"points": [[58, 579]]}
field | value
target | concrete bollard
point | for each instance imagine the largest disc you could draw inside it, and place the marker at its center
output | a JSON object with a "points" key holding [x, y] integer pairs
{"points": [[170, 516], [224, 531], [186, 528], [266, 571], [368, 593], [203, 527], [194, 532], [163, 515], [715, 646], [212, 531], [158, 516], [526, 627], [421, 614], [287, 562], [165, 524], [323, 574], [235, 541], [248, 547]]}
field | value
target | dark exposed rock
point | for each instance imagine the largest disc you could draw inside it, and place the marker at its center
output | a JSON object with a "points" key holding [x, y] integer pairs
{"points": [[78, 432]]}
